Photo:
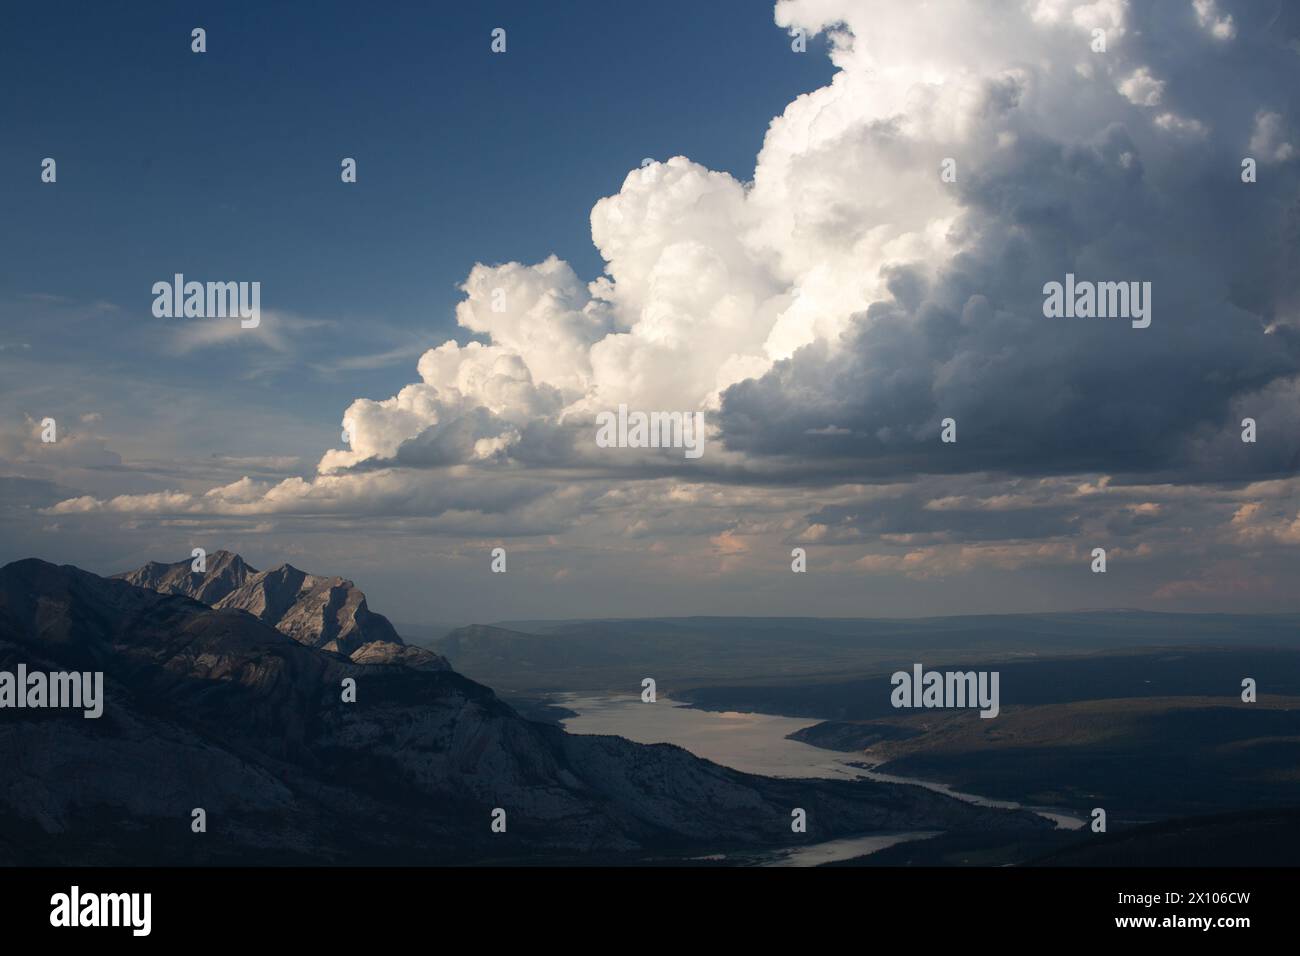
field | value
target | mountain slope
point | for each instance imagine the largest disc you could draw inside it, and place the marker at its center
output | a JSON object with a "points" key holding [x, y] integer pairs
{"points": [[213, 708]]}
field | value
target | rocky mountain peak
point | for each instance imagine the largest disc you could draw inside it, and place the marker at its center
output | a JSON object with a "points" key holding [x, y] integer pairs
{"points": [[329, 613], [224, 572]]}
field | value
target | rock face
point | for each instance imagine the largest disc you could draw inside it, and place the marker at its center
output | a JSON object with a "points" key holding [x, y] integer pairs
{"points": [[213, 708], [325, 612], [226, 571]]}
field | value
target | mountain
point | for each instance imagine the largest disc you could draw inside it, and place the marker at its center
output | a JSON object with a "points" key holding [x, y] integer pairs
{"points": [[225, 572], [211, 707], [325, 612]]}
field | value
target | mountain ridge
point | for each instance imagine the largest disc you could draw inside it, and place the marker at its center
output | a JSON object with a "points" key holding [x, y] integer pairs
{"points": [[326, 612]]}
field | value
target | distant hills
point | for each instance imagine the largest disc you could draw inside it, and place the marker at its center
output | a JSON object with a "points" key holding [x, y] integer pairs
{"points": [[532, 657], [1138, 712]]}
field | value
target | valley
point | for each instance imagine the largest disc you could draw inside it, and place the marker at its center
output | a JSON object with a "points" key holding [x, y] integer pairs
{"points": [[1154, 732], [212, 707]]}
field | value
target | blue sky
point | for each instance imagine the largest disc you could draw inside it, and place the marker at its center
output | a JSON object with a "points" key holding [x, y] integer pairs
{"points": [[792, 265], [227, 163]]}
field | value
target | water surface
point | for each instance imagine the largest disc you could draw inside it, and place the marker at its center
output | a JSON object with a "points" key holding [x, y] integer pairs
{"points": [[757, 743]]}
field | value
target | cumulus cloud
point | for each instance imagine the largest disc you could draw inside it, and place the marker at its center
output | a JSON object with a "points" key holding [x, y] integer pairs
{"points": [[848, 298], [1060, 176], [827, 315], [1142, 89]]}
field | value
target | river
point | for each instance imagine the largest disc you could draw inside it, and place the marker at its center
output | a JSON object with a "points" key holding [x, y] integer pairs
{"points": [[758, 743]]}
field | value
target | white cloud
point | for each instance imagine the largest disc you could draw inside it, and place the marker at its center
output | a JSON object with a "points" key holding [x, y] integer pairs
{"points": [[1142, 89], [849, 268], [75, 446], [1209, 19], [276, 331], [1269, 140], [1181, 125]]}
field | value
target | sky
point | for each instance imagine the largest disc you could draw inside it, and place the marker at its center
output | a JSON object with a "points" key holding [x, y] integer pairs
{"points": [[826, 226]]}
